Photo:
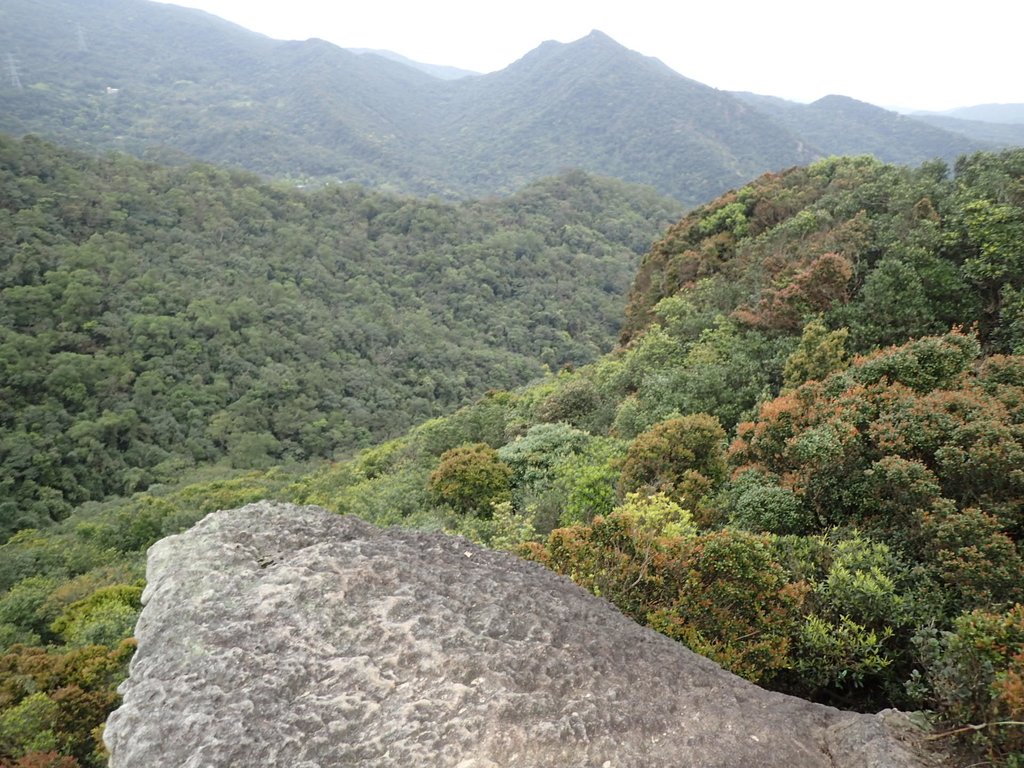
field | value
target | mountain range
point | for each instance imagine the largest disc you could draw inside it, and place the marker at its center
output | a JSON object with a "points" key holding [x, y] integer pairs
{"points": [[792, 465], [987, 113], [172, 83]]}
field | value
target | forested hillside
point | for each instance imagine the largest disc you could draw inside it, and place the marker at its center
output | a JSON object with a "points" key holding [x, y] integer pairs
{"points": [[155, 319], [886, 252], [176, 84], [171, 84], [596, 105], [807, 463]]}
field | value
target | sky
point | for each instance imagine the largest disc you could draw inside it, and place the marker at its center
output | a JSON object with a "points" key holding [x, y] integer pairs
{"points": [[905, 54]]}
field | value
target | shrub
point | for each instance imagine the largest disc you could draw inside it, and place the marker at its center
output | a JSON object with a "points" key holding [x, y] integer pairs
{"points": [[658, 514], [536, 460], [106, 617], [470, 479], [820, 353], [977, 562], [973, 674], [586, 482], [573, 403], [758, 504], [722, 594], [684, 457], [734, 604], [33, 725]]}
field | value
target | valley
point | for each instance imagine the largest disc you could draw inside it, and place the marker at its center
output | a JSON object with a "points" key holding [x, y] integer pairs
{"points": [[750, 370]]}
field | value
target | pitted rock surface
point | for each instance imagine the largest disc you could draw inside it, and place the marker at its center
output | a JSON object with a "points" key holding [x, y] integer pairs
{"points": [[283, 636]]}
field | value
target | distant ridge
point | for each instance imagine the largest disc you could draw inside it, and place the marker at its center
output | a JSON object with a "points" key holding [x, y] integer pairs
{"points": [[839, 125], [986, 113], [439, 71], [170, 83], [999, 134], [597, 105]]}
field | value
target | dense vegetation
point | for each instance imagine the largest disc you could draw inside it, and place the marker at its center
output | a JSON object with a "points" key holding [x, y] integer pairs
{"points": [[166, 82], [884, 252], [153, 319], [806, 462]]}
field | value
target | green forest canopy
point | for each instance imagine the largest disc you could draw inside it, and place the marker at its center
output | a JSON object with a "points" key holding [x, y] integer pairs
{"points": [[153, 319], [806, 462]]}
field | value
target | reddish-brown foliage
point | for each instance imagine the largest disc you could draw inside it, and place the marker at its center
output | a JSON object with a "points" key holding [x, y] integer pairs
{"points": [[812, 290]]}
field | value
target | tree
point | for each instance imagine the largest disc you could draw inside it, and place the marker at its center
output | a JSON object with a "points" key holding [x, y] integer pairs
{"points": [[684, 457], [734, 604], [470, 479], [820, 353]]}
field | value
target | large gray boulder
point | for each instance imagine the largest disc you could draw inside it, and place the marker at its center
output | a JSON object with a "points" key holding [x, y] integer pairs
{"points": [[277, 635]]}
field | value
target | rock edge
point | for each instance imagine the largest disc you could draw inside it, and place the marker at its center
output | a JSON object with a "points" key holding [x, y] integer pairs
{"points": [[277, 635]]}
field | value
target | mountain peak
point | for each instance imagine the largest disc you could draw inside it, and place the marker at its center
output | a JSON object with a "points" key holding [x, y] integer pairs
{"points": [[597, 50], [597, 36], [836, 98], [595, 41], [598, 41]]}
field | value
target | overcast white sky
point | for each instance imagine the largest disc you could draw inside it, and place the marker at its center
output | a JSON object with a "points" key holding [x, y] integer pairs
{"points": [[912, 54]]}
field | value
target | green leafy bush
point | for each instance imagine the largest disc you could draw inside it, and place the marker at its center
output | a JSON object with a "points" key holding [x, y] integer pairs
{"points": [[759, 504], [973, 673], [470, 479], [106, 617], [684, 457]]}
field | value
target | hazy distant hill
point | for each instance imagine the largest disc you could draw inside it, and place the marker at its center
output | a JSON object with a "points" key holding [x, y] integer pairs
{"points": [[595, 104], [167, 82], [436, 70], [839, 125], [989, 113], [164, 81], [1002, 134]]}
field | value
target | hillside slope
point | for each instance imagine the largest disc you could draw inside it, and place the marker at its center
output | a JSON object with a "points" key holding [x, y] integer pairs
{"points": [[155, 318], [839, 125], [805, 465], [168, 82], [858, 241]]}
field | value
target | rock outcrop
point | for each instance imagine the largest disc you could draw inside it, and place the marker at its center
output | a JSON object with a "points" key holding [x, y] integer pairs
{"points": [[276, 635]]}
